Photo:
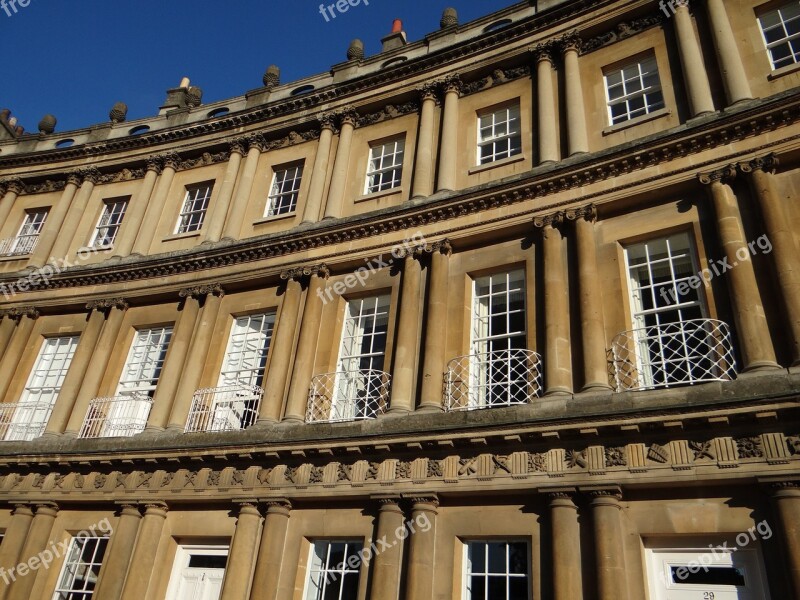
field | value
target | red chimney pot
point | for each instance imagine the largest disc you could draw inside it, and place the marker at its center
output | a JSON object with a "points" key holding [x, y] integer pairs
{"points": [[397, 26]]}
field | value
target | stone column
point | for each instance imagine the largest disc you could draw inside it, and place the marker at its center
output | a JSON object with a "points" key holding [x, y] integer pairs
{"points": [[565, 537], [785, 254], [612, 581], [11, 191], [270, 552], [448, 153], [199, 346], [333, 208], [233, 225], [84, 354], [282, 347], [306, 346], [546, 99], [216, 220], [105, 347], [63, 240], [405, 350], [386, 566], [698, 90], [435, 331], [595, 375], [558, 354], [38, 536], [576, 110], [737, 87], [751, 322], [320, 173], [144, 552], [55, 219], [242, 555], [787, 504], [8, 325], [423, 165], [14, 539], [160, 199], [135, 212], [118, 555], [175, 360], [13, 354], [422, 549]]}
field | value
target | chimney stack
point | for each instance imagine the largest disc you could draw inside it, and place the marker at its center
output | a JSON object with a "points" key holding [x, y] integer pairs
{"points": [[396, 39]]}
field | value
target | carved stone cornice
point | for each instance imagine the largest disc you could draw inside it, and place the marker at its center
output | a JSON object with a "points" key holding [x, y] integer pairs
{"points": [[552, 220], [723, 175], [201, 291], [767, 164], [108, 304], [588, 212]]}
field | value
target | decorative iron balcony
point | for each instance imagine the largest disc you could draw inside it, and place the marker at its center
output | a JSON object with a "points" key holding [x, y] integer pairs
{"points": [[118, 416], [348, 396], [681, 353], [23, 421], [18, 246], [228, 408], [493, 379]]}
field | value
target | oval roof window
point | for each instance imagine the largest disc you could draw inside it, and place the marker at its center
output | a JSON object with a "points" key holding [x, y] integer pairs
{"points": [[303, 89], [219, 112], [497, 25], [139, 130], [65, 143]]}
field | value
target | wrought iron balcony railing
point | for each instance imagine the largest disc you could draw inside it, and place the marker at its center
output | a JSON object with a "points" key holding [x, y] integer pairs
{"points": [[493, 379], [23, 421], [228, 408], [18, 246], [348, 396], [118, 416], [682, 353]]}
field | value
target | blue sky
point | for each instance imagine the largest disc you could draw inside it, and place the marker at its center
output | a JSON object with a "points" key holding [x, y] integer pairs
{"points": [[76, 58]]}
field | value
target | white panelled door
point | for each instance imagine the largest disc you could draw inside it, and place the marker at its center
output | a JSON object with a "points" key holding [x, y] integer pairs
{"points": [[198, 573]]}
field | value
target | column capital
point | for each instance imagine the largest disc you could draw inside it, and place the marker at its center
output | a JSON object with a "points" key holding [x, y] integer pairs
{"points": [[588, 213], [347, 116], [155, 507], [21, 508], [552, 220], [91, 175], [767, 164], [388, 503], [75, 178], [248, 507], [154, 163], [201, 291], [302, 273], [171, 160], [543, 51], [451, 83], [327, 121], [570, 42], [130, 509], [280, 506], [15, 185], [18, 313], [606, 495], [237, 146], [257, 142], [107, 304], [424, 501], [444, 246], [562, 497], [46, 508], [723, 175], [3, 188], [428, 91]]}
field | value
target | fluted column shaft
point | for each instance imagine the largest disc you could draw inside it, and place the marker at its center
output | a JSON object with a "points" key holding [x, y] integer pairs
{"points": [[785, 253], [405, 354], [12, 192], [566, 542], [448, 154], [118, 555], [103, 351], [156, 205], [233, 225], [787, 504], [15, 349], [38, 536], [13, 541], [423, 166], [8, 325], [144, 553], [55, 220], [72, 220], [218, 216], [386, 566], [436, 328], [270, 552], [320, 172], [698, 90], [174, 362], [737, 87], [306, 348], [546, 99], [576, 110], [333, 208], [422, 549], [242, 555], [84, 354], [282, 347], [195, 360], [135, 212], [612, 583], [751, 321]]}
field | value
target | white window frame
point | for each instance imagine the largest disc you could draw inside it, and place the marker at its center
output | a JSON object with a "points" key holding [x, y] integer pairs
{"points": [[107, 228], [326, 573], [284, 191], [183, 555], [385, 166], [786, 38], [194, 208], [467, 567], [138, 377], [645, 66], [29, 231], [42, 388], [500, 129], [74, 567], [246, 355]]}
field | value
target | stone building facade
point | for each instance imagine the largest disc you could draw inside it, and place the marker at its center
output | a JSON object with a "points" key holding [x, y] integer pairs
{"points": [[511, 311]]}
